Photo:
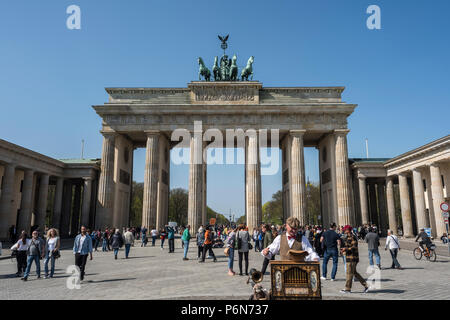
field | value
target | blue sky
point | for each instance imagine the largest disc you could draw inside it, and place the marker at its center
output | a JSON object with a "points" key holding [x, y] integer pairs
{"points": [[50, 76]]}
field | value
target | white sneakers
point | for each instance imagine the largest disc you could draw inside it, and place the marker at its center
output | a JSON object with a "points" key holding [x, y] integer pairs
{"points": [[323, 278]]}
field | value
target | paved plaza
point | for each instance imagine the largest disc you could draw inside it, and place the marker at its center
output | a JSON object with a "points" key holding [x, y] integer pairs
{"points": [[150, 273]]}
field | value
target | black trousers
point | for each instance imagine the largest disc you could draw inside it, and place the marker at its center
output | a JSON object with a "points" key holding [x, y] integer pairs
{"points": [[80, 262], [243, 255], [200, 251], [265, 264], [21, 261], [171, 245], [207, 247]]}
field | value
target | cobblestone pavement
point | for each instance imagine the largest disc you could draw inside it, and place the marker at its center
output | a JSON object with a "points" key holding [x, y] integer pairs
{"points": [[150, 273]]}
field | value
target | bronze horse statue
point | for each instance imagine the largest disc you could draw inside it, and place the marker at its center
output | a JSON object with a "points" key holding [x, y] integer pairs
{"points": [[233, 69], [248, 70], [203, 70], [216, 70]]}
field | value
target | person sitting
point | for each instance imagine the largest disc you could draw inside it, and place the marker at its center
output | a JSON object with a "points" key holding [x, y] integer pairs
{"points": [[445, 238]]}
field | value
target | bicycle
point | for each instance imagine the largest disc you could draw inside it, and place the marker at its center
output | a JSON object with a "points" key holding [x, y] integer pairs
{"points": [[429, 253]]}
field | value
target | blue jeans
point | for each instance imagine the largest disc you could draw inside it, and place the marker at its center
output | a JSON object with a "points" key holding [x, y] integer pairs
{"points": [[127, 250], [116, 251], [105, 245], [162, 242], [231, 258], [186, 248], [153, 241], [330, 253], [49, 257], [377, 256], [30, 260], [344, 258]]}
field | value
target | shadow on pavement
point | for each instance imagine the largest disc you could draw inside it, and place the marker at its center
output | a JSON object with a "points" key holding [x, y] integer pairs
{"points": [[396, 291], [110, 280], [137, 257]]}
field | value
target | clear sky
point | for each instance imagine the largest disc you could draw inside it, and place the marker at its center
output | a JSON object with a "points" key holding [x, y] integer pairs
{"points": [[50, 75]]}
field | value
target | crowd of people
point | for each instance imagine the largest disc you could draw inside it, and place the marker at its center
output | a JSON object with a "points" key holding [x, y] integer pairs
{"points": [[270, 240]]}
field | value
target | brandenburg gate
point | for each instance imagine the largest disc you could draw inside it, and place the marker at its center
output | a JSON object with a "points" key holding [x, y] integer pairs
{"points": [[150, 117]]}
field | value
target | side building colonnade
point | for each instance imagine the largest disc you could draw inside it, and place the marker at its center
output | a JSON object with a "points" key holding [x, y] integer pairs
{"points": [[37, 191], [404, 193]]}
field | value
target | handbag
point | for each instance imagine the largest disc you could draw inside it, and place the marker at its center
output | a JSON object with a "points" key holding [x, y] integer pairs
{"points": [[250, 246], [226, 251], [56, 254]]}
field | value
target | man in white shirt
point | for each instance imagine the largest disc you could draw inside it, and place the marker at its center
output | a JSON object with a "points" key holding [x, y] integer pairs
{"points": [[394, 246], [290, 239]]}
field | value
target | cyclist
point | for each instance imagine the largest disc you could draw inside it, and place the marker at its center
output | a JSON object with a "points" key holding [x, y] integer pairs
{"points": [[425, 239]]}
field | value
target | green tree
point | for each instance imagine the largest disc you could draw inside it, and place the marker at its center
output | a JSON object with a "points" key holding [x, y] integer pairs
{"points": [[136, 203], [272, 210], [241, 220], [178, 206], [313, 203]]}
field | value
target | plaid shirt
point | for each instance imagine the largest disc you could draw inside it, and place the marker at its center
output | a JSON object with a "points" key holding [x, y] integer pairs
{"points": [[350, 244]]}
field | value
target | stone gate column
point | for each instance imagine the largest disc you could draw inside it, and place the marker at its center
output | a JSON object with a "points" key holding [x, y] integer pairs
{"points": [[150, 197], [106, 187], [419, 200], [26, 202], [66, 209], [344, 201], [195, 202], [57, 203], [383, 221], [405, 205], [363, 200], [86, 207], [297, 182], [41, 211], [373, 203], [75, 220], [252, 181], [438, 198], [6, 199], [391, 205]]}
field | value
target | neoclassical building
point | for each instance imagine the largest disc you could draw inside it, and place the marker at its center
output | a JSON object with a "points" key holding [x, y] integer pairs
{"points": [[151, 118], [419, 177], [37, 190]]}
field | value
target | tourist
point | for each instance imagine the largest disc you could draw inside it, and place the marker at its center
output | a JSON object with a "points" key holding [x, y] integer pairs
{"points": [[445, 238], [200, 240], [162, 235], [98, 236], [52, 245], [154, 235], [243, 239], [394, 246], [144, 236], [207, 244], [231, 245], [105, 241], [350, 249], [171, 238], [255, 238], [330, 240], [317, 244], [82, 246], [138, 233], [290, 239], [185, 238], [260, 239], [129, 241], [116, 242], [268, 239], [22, 247], [425, 239], [35, 252], [373, 242]]}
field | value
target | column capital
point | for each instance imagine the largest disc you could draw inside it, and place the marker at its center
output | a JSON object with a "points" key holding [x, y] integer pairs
{"points": [[404, 174], [87, 178], [341, 132], [150, 133], [108, 134], [297, 133]]}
